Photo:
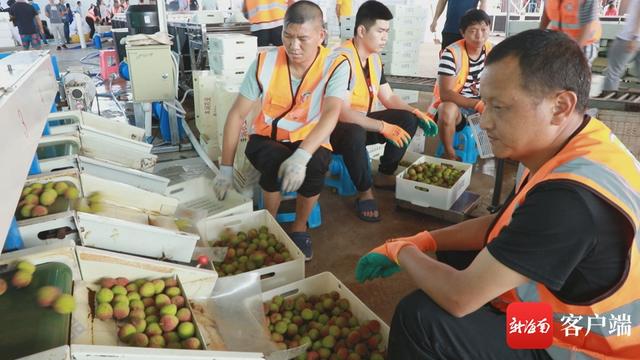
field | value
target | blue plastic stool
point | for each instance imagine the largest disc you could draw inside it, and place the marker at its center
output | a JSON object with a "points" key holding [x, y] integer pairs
{"points": [[97, 41], [315, 218], [464, 145], [339, 177]]}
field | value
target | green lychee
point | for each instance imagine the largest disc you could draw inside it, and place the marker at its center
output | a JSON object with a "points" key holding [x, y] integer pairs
{"points": [[48, 197], [158, 284], [61, 187], [168, 322], [21, 279], [125, 332], [147, 290], [156, 341], [139, 340], [173, 291], [186, 330], [39, 210], [47, 295], [104, 295], [27, 266], [120, 310], [191, 343], [170, 309], [64, 304], [104, 311]]}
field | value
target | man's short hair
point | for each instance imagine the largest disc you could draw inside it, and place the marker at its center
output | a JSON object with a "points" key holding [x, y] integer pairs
{"points": [[370, 12], [549, 61], [472, 17], [302, 12]]}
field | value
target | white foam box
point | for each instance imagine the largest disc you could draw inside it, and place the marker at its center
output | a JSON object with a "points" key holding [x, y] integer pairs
{"points": [[409, 22], [401, 11], [230, 62], [324, 283], [409, 68], [60, 227], [427, 195], [408, 96], [271, 276], [401, 55], [401, 45], [402, 34], [7, 42], [75, 119], [351, 20], [233, 44], [346, 30], [197, 195]]}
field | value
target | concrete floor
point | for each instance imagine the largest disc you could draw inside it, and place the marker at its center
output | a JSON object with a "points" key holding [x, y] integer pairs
{"points": [[343, 238]]}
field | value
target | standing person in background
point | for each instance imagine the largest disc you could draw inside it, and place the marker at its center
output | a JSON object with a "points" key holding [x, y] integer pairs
{"points": [[116, 8], [29, 25], [455, 10], [91, 18], [611, 9], [580, 19], [344, 8], [55, 13], [266, 17], [624, 49], [68, 19], [78, 8], [39, 26], [125, 5]]}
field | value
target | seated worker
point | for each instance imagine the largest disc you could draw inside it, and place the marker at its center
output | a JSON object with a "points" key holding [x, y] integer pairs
{"points": [[579, 19], [457, 94], [568, 237], [300, 87], [359, 126]]}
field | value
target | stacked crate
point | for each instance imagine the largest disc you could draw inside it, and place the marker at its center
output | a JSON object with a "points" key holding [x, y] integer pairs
{"points": [[400, 56], [6, 37]]}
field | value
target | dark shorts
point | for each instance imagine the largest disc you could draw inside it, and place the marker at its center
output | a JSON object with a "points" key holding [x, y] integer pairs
{"points": [[465, 112], [266, 155], [33, 40]]}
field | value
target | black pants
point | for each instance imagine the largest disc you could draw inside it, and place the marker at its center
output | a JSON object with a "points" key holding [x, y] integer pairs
{"points": [[269, 36], [350, 141], [66, 32], [267, 155], [92, 26], [449, 38], [421, 329]]}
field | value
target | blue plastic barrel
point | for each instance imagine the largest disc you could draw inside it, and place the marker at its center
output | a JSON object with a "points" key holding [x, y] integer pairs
{"points": [[97, 41], [163, 115], [123, 69]]}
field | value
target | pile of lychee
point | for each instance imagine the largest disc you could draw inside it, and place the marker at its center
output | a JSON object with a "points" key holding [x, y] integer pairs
{"points": [[37, 197], [150, 313], [326, 324], [251, 250], [47, 296]]}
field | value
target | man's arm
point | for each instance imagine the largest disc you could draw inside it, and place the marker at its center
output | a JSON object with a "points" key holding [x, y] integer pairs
{"points": [[544, 19], [235, 119], [39, 23], [447, 93], [390, 100], [459, 292], [589, 21], [467, 235], [437, 13], [350, 116], [46, 11]]}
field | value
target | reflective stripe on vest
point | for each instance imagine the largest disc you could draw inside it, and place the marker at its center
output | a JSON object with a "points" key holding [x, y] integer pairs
{"points": [[286, 116], [261, 11], [564, 15], [461, 59], [596, 159], [364, 96]]}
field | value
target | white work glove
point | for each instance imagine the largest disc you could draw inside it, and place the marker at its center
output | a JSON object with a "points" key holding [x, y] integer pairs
{"points": [[293, 170], [222, 183]]}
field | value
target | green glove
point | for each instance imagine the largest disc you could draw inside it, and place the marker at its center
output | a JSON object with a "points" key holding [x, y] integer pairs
{"points": [[374, 265], [428, 126]]}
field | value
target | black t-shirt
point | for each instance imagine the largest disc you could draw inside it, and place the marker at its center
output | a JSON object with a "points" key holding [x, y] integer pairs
{"points": [[567, 238], [24, 17], [383, 80]]}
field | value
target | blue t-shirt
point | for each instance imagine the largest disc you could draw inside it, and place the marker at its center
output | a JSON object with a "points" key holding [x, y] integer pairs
{"points": [[455, 10], [337, 86]]}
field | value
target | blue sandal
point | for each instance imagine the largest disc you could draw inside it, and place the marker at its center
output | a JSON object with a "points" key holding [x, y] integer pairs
{"points": [[363, 206], [303, 242]]}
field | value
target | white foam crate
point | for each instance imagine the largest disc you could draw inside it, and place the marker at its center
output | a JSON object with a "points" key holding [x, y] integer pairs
{"points": [[401, 45], [406, 34], [351, 20], [197, 195], [60, 227], [271, 276], [400, 11], [427, 195], [400, 55], [76, 119], [409, 22], [227, 62], [324, 283], [401, 68], [408, 96], [233, 43]]}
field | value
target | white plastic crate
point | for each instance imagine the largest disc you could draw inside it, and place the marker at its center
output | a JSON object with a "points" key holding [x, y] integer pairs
{"points": [[427, 195], [271, 276], [400, 11], [229, 62], [399, 55], [408, 68], [197, 195], [414, 22], [324, 283], [480, 136], [406, 34], [350, 20], [233, 43], [400, 45], [408, 96]]}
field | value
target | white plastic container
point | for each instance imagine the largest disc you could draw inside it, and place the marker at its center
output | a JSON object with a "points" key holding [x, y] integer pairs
{"points": [[271, 276], [427, 195], [404, 68], [233, 43], [408, 96], [222, 63]]}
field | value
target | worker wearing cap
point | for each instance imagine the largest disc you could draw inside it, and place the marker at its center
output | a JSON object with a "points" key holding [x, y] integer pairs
{"points": [[360, 124], [266, 17], [569, 236], [299, 87], [580, 19], [456, 95]]}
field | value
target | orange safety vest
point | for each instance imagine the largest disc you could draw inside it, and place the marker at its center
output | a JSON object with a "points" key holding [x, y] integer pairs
{"points": [[264, 11], [461, 59], [286, 116], [364, 94], [594, 158], [564, 15]]}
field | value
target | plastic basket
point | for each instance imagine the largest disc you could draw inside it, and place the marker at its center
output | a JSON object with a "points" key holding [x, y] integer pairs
{"points": [[482, 139]]}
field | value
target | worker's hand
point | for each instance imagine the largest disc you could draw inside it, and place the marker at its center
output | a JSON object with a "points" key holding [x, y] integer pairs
{"points": [[383, 260], [293, 170], [479, 106], [222, 183], [395, 134], [428, 126], [434, 25]]}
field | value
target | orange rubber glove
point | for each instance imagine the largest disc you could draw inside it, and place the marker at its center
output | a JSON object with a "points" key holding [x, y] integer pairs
{"points": [[382, 261], [479, 106], [395, 134]]}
